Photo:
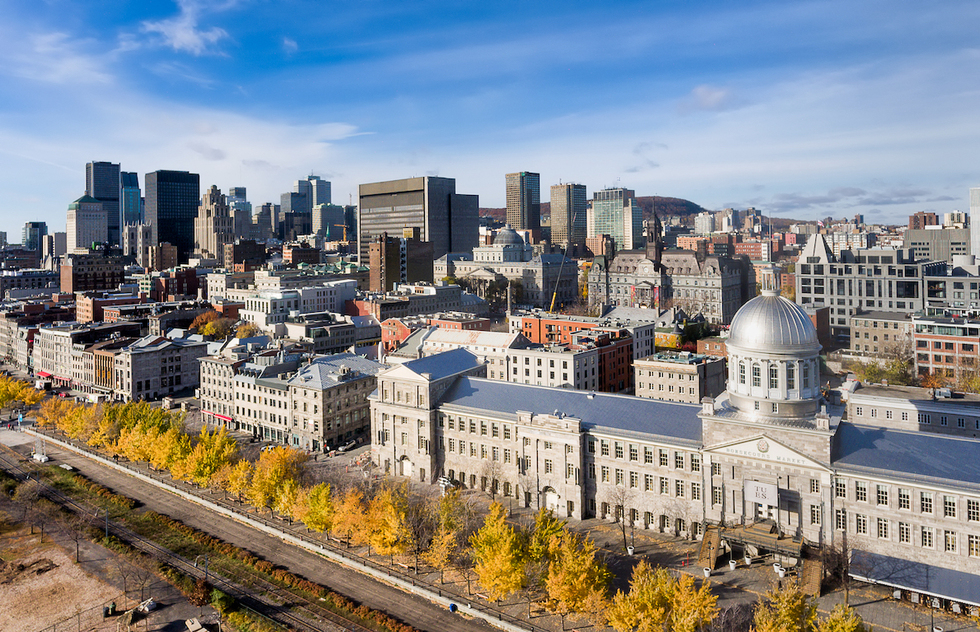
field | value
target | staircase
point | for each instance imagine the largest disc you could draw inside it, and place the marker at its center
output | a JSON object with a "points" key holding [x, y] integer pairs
{"points": [[710, 547], [810, 576]]}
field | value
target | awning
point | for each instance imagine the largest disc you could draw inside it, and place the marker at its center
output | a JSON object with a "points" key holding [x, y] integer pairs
{"points": [[217, 415], [934, 581], [43, 374]]}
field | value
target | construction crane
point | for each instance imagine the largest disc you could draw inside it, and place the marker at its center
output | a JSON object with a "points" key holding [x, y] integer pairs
{"points": [[345, 230], [554, 296]]}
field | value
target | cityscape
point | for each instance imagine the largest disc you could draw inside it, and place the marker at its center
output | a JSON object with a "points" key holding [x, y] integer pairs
{"points": [[484, 396]]}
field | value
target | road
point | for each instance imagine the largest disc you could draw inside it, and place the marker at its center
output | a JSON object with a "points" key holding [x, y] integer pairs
{"points": [[412, 610]]}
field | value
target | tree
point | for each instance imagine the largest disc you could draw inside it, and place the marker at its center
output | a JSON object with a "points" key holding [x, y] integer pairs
{"points": [[213, 451], [349, 517], [316, 508], [205, 318], [240, 478], [546, 528], [842, 619], [247, 330], [786, 610], [933, 380], [789, 291], [659, 601], [498, 553], [621, 499], [576, 578], [450, 521], [272, 470], [420, 526], [490, 474], [220, 328], [285, 498], [386, 512]]}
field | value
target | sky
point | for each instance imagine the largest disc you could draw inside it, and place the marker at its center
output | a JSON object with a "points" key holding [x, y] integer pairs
{"points": [[801, 109]]}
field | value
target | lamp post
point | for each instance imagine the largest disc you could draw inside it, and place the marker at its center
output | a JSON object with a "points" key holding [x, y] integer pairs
{"points": [[206, 565]]}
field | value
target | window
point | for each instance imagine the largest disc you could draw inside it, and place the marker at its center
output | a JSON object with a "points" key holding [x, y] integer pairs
{"points": [[973, 510], [604, 448], [592, 470], [904, 499], [925, 502], [882, 529], [756, 375], [695, 463], [664, 485], [695, 491], [927, 540], [634, 453], [569, 470], [790, 376], [548, 445], [949, 506], [814, 486], [605, 474], [806, 376], [859, 411], [949, 541], [882, 495], [741, 373], [905, 415], [619, 450], [679, 460], [840, 519], [648, 482], [716, 469], [840, 488], [591, 446], [506, 456], [634, 480], [648, 455], [814, 514], [619, 476], [773, 376], [716, 496], [663, 458], [974, 546], [861, 491], [904, 533], [861, 524], [495, 453], [679, 489]]}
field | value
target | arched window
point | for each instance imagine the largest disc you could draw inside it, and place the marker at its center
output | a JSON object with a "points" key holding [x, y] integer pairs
{"points": [[790, 376], [806, 375], [756, 375], [741, 373], [773, 376]]}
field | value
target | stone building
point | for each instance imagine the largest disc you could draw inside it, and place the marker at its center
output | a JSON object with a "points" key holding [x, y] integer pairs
{"points": [[155, 367], [679, 377], [768, 467], [214, 225]]}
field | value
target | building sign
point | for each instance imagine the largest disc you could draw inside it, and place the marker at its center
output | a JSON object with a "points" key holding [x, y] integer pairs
{"points": [[761, 493], [767, 450]]}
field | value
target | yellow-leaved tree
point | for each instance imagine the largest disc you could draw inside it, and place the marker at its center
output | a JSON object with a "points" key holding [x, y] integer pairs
{"points": [[348, 521], [213, 451], [272, 470], [286, 496], [576, 578], [786, 610], [842, 619], [170, 451], [317, 508], [451, 515], [387, 533], [657, 601], [498, 554], [240, 478]]}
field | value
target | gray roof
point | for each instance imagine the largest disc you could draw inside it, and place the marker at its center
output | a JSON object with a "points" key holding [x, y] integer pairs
{"points": [[327, 371], [915, 576], [445, 364], [508, 237], [626, 415], [923, 456], [772, 323]]}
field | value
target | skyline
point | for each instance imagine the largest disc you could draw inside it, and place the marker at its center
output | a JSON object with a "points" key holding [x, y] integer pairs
{"points": [[802, 110]]}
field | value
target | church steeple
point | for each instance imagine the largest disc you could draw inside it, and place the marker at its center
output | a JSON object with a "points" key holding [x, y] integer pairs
{"points": [[655, 242]]}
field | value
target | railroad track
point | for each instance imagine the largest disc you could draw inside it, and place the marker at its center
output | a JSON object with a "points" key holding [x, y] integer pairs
{"points": [[251, 589]]}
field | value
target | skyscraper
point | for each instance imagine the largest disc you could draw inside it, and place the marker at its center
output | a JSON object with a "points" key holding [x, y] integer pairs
{"points": [[214, 225], [33, 232], [975, 222], [102, 183], [618, 215], [305, 195], [87, 224], [448, 220], [130, 199], [524, 200], [241, 210], [569, 204], [171, 206]]}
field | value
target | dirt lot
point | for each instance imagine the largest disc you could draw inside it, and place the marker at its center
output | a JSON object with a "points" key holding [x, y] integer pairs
{"points": [[41, 585]]}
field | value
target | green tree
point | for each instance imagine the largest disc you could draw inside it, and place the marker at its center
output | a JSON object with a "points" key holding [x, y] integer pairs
{"points": [[786, 610], [499, 555]]}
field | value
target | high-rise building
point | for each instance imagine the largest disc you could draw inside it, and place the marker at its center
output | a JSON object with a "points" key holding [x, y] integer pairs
{"points": [[704, 223], [975, 222], [569, 204], [102, 183], [130, 199], [306, 195], [171, 206], [33, 232], [399, 260], [214, 225], [241, 210], [448, 220], [328, 221], [922, 219], [87, 224], [618, 215], [524, 200]]}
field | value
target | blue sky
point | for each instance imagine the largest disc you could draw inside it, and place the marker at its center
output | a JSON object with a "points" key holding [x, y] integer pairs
{"points": [[802, 109]]}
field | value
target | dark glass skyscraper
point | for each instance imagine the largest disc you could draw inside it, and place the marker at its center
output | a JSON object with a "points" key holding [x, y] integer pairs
{"points": [[524, 200], [102, 183], [130, 198], [172, 198], [33, 234]]}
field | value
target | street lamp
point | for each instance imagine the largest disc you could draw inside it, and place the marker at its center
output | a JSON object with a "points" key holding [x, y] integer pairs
{"points": [[206, 565]]}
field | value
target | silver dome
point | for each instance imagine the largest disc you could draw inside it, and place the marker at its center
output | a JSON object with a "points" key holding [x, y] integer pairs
{"points": [[771, 323], [508, 237]]}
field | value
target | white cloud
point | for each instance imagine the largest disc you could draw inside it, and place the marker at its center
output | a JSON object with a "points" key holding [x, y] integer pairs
{"points": [[51, 57], [182, 33], [710, 98], [289, 45]]}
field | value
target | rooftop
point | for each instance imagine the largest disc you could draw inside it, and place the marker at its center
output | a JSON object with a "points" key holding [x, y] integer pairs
{"points": [[683, 357], [444, 364], [327, 371], [624, 414]]}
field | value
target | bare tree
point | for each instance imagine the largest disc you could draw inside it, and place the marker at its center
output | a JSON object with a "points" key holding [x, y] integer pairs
{"points": [[621, 499], [28, 494], [420, 521], [490, 472], [76, 528]]}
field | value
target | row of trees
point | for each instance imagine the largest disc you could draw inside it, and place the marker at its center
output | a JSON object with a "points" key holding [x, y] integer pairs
{"points": [[13, 390]]}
